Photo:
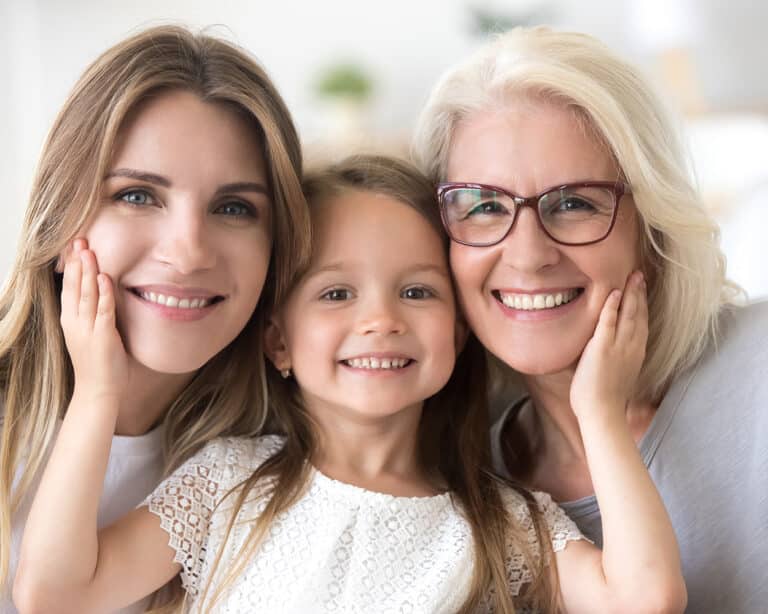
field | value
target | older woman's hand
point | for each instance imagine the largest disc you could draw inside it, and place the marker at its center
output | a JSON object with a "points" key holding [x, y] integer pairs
{"points": [[607, 372]]}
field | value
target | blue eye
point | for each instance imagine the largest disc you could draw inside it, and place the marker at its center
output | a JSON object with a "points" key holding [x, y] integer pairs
{"points": [[235, 209], [417, 293], [136, 198], [336, 294]]}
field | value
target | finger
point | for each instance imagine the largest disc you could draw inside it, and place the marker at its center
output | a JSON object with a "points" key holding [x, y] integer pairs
{"points": [[642, 311], [105, 311], [70, 289], [628, 311], [606, 324], [89, 289]]}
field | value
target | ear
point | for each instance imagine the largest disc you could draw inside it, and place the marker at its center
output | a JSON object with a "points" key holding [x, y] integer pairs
{"points": [[274, 345]]}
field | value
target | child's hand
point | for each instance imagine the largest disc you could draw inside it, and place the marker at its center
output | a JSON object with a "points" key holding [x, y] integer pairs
{"points": [[607, 371], [88, 321]]}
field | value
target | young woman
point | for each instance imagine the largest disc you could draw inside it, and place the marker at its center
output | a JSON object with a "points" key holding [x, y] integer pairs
{"points": [[575, 178], [377, 494], [176, 163]]}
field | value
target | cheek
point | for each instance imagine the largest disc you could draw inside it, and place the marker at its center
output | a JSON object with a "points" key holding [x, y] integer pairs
{"points": [[248, 260], [115, 246]]}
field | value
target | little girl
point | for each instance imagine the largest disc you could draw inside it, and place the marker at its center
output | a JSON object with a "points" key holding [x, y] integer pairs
{"points": [[376, 493]]}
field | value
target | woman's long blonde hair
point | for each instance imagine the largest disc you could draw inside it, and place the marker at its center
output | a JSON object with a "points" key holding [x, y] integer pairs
{"points": [[228, 394], [453, 434], [680, 242]]}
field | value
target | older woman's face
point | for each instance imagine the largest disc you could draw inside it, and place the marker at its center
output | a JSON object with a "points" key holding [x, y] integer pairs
{"points": [[525, 148]]}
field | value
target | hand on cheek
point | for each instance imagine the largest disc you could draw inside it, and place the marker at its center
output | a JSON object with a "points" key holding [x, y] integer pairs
{"points": [[610, 364], [98, 357]]}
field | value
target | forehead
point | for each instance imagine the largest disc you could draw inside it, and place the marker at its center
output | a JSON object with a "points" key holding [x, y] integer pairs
{"points": [[527, 145], [178, 133], [358, 225]]}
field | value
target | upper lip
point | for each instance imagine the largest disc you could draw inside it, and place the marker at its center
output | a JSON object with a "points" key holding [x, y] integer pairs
{"points": [[179, 291]]}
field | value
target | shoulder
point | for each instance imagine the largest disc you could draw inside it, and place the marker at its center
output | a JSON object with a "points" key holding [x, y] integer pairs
{"points": [[740, 346], [247, 452], [233, 459], [525, 509], [745, 324], [533, 519], [220, 465]]}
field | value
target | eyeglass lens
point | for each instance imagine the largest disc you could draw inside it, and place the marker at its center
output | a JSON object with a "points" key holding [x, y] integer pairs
{"points": [[570, 215]]}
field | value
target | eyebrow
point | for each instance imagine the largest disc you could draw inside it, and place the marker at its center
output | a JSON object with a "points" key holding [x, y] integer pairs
{"points": [[228, 188], [417, 268]]}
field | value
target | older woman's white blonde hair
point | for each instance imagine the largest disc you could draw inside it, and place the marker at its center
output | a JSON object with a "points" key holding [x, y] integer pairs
{"points": [[679, 244]]}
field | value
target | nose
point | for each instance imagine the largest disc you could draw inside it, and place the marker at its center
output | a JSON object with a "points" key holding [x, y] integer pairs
{"points": [[380, 315], [186, 243], [527, 247]]}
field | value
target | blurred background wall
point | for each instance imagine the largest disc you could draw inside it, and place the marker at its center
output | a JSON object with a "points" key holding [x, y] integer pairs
{"points": [[355, 74]]}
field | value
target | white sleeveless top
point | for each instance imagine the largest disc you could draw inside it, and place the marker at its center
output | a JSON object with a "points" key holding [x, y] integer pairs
{"points": [[340, 548]]}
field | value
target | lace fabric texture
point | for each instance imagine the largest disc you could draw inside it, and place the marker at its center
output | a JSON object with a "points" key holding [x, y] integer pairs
{"points": [[340, 548]]}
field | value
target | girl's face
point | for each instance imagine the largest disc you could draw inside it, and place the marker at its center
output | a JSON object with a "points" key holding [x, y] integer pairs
{"points": [[370, 329], [526, 148], [184, 230]]}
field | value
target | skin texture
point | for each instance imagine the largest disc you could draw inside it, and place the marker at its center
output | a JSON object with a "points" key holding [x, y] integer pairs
{"points": [[180, 230], [527, 147]]}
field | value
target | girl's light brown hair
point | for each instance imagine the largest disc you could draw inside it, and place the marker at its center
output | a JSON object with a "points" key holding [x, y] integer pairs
{"points": [[228, 394], [453, 434]]}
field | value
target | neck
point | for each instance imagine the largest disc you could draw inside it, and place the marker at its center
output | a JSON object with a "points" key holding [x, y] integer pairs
{"points": [[376, 453], [151, 395], [555, 424]]}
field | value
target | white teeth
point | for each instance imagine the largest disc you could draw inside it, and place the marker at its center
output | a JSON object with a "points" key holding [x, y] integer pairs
{"points": [[376, 363], [534, 302], [175, 301]]}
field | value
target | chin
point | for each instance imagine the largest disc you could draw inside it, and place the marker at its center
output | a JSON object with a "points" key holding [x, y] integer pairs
{"points": [[170, 364], [537, 363]]}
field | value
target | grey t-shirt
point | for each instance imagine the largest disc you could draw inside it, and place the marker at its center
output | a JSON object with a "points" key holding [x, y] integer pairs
{"points": [[707, 452]]}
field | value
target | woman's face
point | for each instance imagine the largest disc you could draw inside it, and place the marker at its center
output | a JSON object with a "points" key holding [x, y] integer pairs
{"points": [[525, 148], [183, 230]]}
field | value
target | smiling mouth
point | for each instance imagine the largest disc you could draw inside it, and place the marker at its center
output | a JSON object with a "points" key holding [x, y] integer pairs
{"points": [[177, 302], [376, 363], [537, 302]]}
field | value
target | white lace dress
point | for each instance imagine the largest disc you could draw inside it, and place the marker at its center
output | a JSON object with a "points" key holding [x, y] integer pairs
{"points": [[340, 548]]}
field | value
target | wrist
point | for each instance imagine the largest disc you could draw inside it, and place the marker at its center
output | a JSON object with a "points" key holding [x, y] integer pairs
{"points": [[95, 399], [603, 416]]}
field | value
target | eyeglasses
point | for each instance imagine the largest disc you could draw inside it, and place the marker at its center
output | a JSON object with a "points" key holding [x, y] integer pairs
{"points": [[572, 214]]}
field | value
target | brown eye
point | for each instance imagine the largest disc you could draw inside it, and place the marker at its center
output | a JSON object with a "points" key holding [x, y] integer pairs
{"points": [[417, 293], [336, 294]]}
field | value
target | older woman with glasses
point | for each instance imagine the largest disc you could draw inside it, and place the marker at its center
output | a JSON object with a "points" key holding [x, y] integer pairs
{"points": [[559, 175]]}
